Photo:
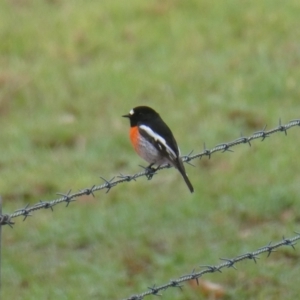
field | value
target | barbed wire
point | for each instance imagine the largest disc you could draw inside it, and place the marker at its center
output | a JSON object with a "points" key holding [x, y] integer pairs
{"points": [[6, 219], [228, 263]]}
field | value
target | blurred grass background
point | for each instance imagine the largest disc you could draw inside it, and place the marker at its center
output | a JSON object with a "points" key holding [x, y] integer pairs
{"points": [[213, 69]]}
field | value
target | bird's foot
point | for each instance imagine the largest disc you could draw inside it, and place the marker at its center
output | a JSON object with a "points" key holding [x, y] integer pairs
{"points": [[150, 171]]}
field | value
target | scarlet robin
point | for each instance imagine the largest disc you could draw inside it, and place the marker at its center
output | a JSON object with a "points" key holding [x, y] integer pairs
{"points": [[153, 140]]}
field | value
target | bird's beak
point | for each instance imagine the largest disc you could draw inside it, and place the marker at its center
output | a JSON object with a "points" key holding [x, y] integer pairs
{"points": [[126, 116]]}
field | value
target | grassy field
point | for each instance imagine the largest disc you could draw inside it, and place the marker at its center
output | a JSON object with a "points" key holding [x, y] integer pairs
{"points": [[213, 70]]}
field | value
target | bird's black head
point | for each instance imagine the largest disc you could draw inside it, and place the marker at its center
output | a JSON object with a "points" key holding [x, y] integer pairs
{"points": [[141, 114]]}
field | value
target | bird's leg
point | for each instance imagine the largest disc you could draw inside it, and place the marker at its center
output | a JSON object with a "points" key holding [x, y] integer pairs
{"points": [[150, 171]]}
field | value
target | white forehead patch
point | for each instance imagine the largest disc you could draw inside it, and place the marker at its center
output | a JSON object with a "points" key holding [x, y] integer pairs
{"points": [[131, 112]]}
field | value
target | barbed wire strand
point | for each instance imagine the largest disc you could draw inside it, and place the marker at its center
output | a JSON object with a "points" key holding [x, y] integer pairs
{"points": [[6, 219], [228, 263]]}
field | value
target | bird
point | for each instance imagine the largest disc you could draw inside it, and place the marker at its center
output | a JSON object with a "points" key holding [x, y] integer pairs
{"points": [[153, 140]]}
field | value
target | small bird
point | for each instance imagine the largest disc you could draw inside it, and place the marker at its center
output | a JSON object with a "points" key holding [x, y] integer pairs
{"points": [[153, 140]]}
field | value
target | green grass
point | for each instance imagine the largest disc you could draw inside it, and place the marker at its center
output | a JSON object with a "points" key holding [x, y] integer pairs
{"points": [[70, 69]]}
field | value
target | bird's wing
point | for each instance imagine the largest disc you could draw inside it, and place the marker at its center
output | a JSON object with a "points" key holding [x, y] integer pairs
{"points": [[159, 142]]}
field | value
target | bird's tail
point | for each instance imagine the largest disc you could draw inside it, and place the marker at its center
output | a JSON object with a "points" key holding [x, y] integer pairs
{"points": [[181, 169]]}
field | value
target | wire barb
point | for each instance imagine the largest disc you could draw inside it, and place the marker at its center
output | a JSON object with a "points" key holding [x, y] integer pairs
{"points": [[175, 283], [269, 249], [262, 133], [192, 276], [126, 177], [229, 262], [211, 269], [45, 204], [89, 191], [252, 256], [67, 197], [243, 140], [288, 242], [187, 158], [108, 183], [281, 127], [154, 291], [24, 212], [206, 152], [6, 220]]}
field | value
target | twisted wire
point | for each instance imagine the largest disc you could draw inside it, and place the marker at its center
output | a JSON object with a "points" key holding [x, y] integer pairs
{"points": [[6, 219], [227, 263]]}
